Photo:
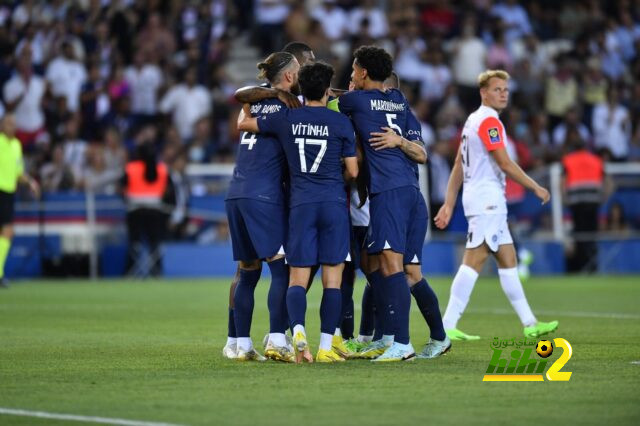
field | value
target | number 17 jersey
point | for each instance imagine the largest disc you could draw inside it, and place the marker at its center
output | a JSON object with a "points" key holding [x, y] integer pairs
{"points": [[484, 181]]}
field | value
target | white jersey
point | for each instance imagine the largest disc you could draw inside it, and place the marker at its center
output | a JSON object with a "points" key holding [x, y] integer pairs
{"points": [[359, 216], [484, 182]]}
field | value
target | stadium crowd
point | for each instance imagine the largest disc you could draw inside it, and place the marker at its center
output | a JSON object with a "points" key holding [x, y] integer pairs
{"points": [[89, 80]]}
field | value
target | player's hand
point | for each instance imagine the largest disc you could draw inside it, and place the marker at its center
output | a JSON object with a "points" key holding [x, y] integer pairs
{"points": [[289, 99], [388, 139], [443, 217], [543, 194], [352, 86]]}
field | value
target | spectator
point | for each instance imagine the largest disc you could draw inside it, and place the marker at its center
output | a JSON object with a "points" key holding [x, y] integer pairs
{"points": [[334, 19], [514, 17], [201, 148], [177, 195], [97, 176], [156, 39], [270, 18], [375, 16], [616, 221], [66, 76], [612, 127], [571, 120], [23, 94], [94, 104], [498, 55], [145, 80], [468, 61], [436, 76], [561, 92], [187, 102], [115, 156], [56, 175], [75, 150]]}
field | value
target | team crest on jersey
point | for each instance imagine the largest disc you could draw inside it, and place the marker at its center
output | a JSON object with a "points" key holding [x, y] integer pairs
{"points": [[494, 135]]}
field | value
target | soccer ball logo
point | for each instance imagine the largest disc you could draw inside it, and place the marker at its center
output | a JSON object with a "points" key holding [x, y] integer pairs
{"points": [[544, 348]]}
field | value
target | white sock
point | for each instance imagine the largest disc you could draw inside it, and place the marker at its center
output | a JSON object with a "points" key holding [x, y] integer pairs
{"points": [[299, 328], [512, 288], [387, 339], [338, 332], [364, 339], [245, 343], [325, 341], [461, 289], [277, 339], [231, 341]]}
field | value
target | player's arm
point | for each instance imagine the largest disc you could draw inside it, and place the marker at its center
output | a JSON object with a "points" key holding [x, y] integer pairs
{"points": [[252, 94], [453, 187], [350, 168], [513, 170], [390, 139], [247, 123]]}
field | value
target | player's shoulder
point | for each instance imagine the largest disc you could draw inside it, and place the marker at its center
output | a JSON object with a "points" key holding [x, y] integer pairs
{"points": [[483, 114]]}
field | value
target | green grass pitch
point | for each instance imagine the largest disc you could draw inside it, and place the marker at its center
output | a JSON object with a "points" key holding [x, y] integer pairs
{"points": [[151, 351]]}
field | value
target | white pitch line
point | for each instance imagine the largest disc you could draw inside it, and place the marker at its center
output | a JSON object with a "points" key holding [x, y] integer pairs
{"points": [[579, 314], [635, 362], [72, 417]]}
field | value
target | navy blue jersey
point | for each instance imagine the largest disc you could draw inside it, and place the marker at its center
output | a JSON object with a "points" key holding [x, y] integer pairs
{"points": [[315, 139], [370, 110], [260, 164], [413, 133]]}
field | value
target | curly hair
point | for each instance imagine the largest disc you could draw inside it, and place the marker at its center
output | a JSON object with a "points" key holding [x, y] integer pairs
{"points": [[375, 60], [314, 79]]}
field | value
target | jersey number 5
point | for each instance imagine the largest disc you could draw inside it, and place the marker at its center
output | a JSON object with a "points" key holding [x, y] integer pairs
{"points": [[303, 160], [248, 139], [394, 126]]}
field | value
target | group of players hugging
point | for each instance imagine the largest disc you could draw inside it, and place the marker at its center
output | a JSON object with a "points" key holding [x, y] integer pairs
{"points": [[329, 178]]}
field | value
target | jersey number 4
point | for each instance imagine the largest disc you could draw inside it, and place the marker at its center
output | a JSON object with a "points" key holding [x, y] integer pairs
{"points": [[303, 160], [248, 139]]}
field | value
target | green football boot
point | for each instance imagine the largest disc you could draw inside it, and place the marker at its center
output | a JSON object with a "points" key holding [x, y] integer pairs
{"points": [[455, 334], [540, 329]]}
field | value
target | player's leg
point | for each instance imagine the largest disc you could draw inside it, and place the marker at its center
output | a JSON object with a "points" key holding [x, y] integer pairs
{"points": [[231, 347], [302, 254], [6, 235], [475, 256], [422, 292], [297, 308], [241, 226], [346, 323], [512, 287], [330, 313]]}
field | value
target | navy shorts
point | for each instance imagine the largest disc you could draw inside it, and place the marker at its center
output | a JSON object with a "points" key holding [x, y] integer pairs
{"points": [[318, 234], [258, 229], [399, 223]]}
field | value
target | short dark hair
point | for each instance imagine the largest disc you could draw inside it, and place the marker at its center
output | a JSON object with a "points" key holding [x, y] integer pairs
{"points": [[297, 48], [375, 60], [275, 63], [315, 79]]}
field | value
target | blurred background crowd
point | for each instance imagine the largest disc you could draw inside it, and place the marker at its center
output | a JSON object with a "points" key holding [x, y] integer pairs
{"points": [[90, 80]]}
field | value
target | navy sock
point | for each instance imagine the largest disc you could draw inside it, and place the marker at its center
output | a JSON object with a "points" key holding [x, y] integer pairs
{"points": [[231, 325], [277, 298], [377, 290], [330, 309], [297, 305], [243, 301], [346, 289], [428, 304], [399, 302], [389, 305], [367, 319]]}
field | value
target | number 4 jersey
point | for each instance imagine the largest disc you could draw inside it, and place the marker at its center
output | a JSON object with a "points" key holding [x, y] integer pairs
{"points": [[484, 182], [315, 139], [260, 163]]}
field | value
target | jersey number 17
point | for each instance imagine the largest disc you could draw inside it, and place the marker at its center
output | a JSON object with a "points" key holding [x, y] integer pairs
{"points": [[303, 160]]}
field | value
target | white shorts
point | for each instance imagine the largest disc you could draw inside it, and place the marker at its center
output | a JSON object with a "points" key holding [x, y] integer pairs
{"points": [[491, 228]]}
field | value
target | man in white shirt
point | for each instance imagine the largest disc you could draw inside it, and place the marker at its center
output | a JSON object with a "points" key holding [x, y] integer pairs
{"points": [[482, 163], [23, 94], [66, 76], [187, 102], [145, 79], [612, 126], [334, 20]]}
